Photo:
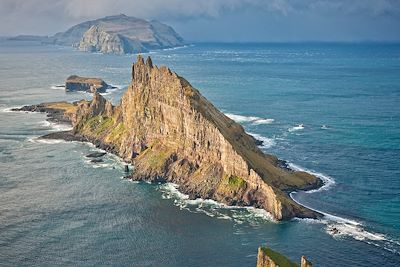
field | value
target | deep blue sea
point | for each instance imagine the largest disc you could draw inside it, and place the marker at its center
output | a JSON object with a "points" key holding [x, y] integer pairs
{"points": [[331, 109]]}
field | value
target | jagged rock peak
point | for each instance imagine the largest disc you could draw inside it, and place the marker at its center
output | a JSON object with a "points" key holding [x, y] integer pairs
{"points": [[149, 62], [142, 71]]}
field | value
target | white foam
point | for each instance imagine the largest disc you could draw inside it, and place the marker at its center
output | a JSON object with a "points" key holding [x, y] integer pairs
{"points": [[213, 208], [266, 142], [46, 141], [339, 227], [56, 126], [175, 48], [249, 119], [263, 121], [328, 181], [296, 128], [57, 87], [9, 109]]}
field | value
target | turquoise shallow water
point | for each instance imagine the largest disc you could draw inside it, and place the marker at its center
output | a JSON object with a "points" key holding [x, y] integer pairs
{"points": [[56, 208]]}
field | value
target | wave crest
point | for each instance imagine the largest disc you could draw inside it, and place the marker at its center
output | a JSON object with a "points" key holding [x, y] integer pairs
{"points": [[213, 208], [249, 119]]}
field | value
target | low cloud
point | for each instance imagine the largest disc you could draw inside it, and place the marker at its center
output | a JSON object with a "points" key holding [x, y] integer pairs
{"points": [[49, 16]]}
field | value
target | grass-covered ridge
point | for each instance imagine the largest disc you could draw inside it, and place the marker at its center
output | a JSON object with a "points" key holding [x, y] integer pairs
{"points": [[278, 258], [67, 107]]}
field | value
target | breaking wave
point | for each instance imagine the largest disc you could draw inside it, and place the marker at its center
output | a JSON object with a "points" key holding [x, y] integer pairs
{"points": [[339, 227], [266, 142], [296, 128], [57, 87], [45, 141], [56, 126], [213, 208], [328, 181], [249, 119]]}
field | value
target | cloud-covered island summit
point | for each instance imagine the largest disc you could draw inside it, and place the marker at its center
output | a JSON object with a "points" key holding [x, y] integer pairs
{"points": [[119, 34], [171, 133]]}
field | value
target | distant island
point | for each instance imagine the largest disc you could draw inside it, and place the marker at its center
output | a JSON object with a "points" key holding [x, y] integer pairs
{"points": [[171, 133], [119, 34]]}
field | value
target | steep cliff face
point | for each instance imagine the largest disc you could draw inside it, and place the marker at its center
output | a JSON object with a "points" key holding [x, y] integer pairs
{"points": [[172, 133], [98, 40], [119, 34]]}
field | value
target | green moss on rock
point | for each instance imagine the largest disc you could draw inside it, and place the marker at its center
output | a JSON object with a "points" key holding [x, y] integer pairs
{"points": [[154, 157], [231, 184], [116, 134], [97, 125]]}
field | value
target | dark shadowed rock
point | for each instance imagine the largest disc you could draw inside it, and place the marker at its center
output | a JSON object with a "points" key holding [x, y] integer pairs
{"points": [[96, 160], [96, 154]]}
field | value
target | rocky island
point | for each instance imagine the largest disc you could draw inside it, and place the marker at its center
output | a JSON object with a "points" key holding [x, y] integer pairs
{"points": [[171, 133], [77, 83], [119, 34]]}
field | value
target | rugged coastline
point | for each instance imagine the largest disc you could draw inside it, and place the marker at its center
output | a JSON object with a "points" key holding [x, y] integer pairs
{"points": [[173, 134]]}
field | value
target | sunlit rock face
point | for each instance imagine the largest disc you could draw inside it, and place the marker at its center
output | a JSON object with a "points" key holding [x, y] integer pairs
{"points": [[173, 134]]}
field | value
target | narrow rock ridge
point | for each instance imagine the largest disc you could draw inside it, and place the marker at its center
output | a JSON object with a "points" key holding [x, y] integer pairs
{"points": [[173, 134], [266, 257]]}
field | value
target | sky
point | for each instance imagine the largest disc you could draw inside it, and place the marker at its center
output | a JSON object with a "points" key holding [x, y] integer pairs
{"points": [[219, 20]]}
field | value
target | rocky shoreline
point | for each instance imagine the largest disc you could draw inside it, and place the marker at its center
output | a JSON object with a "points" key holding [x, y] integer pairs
{"points": [[70, 136]]}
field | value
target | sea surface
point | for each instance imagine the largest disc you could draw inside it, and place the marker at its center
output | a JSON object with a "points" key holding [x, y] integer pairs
{"points": [[330, 109]]}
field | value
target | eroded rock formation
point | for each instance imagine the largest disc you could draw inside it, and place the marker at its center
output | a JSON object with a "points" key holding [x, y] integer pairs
{"points": [[173, 134]]}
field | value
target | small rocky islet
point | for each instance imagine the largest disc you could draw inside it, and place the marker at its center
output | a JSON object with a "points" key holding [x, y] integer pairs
{"points": [[86, 84], [171, 133]]}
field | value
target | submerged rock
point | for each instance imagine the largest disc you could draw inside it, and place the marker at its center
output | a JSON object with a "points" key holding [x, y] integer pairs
{"points": [[96, 154], [96, 160]]}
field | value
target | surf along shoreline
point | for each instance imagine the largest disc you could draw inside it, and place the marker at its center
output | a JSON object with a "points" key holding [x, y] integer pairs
{"points": [[56, 115], [336, 226]]}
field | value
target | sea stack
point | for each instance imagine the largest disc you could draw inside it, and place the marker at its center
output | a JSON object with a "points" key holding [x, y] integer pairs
{"points": [[171, 133]]}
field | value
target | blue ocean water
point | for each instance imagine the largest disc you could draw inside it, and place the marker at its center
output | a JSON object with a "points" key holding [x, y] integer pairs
{"points": [[331, 109]]}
